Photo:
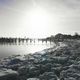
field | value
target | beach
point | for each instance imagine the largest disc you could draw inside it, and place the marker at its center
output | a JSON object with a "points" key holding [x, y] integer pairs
{"points": [[61, 62]]}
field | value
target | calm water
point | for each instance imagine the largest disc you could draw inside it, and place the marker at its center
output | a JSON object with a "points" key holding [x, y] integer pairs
{"points": [[23, 48]]}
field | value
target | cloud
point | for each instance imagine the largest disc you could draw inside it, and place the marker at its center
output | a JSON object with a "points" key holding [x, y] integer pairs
{"points": [[14, 12], [74, 4], [5, 1]]}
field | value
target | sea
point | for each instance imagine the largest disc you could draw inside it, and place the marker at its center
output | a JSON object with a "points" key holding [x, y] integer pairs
{"points": [[10, 49]]}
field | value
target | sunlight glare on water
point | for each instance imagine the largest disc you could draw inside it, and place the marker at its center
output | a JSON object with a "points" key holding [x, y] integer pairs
{"points": [[22, 49]]}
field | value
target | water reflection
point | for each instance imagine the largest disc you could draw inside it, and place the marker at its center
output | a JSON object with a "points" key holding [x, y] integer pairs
{"points": [[19, 41], [23, 47]]}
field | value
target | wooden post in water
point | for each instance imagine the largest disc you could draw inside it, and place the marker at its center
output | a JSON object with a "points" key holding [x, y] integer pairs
{"points": [[46, 41], [30, 40]]}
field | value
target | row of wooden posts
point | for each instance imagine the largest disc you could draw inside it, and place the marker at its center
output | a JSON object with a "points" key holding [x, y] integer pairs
{"points": [[22, 40]]}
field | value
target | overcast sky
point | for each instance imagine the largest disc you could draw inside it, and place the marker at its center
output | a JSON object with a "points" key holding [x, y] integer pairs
{"points": [[57, 16]]}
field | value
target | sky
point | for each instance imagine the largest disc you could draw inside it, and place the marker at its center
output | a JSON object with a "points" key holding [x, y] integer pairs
{"points": [[39, 18]]}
